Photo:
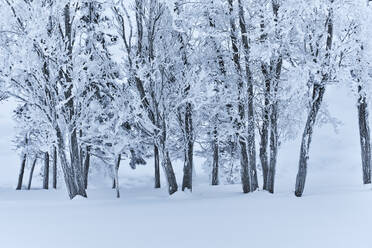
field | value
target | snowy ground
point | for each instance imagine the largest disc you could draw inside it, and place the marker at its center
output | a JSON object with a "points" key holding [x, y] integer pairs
{"points": [[335, 210], [216, 217]]}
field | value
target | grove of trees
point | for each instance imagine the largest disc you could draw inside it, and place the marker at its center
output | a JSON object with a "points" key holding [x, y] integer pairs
{"points": [[100, 82]]}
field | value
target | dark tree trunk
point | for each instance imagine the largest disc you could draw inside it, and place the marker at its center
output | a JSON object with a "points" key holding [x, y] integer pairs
{"points": [[186, 122], [81, 159], [54, 167], [168, 169], [317, 98], [244, 168], [232, 148], [157, 167], [31, 173], [166, 161], [189, 150], [153, 113], [271, 75], [264, 134], [274, 135], [245, 171], [318, 94], [113, 183], [251, 146], [86, 166], [75, 162], [117, 165], [215, 179], [273, 147], [73, 174], [21, 172], [46, 171], [365, 142], [81, 154], [73, 178], [221, 65]]}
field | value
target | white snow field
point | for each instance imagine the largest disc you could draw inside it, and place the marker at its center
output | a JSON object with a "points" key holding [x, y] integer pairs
{"points": [[334, 212]]}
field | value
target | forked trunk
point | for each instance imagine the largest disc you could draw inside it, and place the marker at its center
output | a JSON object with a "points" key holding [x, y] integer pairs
{"points": [[71, 171]]}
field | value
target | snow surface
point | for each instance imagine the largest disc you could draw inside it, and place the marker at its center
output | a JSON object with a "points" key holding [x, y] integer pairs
{"points": [[335, 210]]}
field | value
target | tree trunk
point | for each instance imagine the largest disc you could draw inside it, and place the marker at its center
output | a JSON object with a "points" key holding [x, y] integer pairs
{"points": [[157, 167], [54, 167], [317, 98], [365, 142], [187, 124], [264, 134], [46, 171], [245, 171], [81, 155], [215, 179], [318, 94], [117, 165], [263, 153], [276, 65], [189, 150], [73, 178], [75, 163], [31, 173], [221, 65], [274, 136], [81, 159], [166, 161], [251, 146], [21, 172], [73, 174], [245, 177], [86, 166], [169, 173]]}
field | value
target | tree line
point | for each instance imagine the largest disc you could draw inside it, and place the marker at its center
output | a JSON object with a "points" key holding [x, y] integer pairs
{"points": [[97, 83]]}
